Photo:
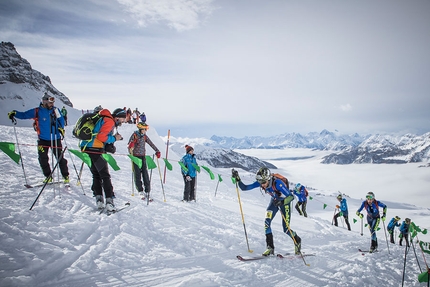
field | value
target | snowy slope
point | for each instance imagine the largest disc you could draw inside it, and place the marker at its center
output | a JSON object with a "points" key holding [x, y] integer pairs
{"points": [[63, 241]]}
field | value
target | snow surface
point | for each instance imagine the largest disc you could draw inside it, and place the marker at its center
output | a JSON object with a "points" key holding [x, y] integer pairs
{"points": [[64, 241]]}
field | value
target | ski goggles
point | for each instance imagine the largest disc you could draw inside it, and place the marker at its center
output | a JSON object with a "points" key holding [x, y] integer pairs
{"points": [[369, 197], [49, 99]]}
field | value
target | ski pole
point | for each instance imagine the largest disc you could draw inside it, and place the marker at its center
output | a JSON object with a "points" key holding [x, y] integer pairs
{"points": [[386, 238], [167, 152], [20, 155], [334, 213], [216, 187], [74, 166], [243, 218], [161, 180], [361, 226], [291, 235], [44, 185], [80, 174]]}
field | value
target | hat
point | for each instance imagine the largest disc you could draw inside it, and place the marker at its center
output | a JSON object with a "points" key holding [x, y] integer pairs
{"points": [[188, 148], [119, 113]]}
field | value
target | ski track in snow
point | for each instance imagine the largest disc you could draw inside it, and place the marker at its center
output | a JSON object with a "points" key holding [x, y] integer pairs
{"points": [[64, 241]]}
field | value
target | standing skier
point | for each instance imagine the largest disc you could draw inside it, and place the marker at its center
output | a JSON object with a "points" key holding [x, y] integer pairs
{"points": [[102, 142], [302, 195], [373, 218], [281, 198], [343, 211], [190, 175], [404, 231], [394, 222], [136, 147], [49, 125]]}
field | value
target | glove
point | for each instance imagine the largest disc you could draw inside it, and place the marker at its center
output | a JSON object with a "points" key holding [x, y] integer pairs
{"points": [[188, 178], [359, 214], [11, 115], [278, 202], [235, 175], [337, 206], [61, 130], [383, 217], [110, 148], [158, 154]]}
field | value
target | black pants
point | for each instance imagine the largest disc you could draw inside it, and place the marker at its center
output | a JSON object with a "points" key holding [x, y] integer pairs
{"points": [[100, 171], [43, 148], [189, 189], [346, 220], [303, 211], [141, 173]]}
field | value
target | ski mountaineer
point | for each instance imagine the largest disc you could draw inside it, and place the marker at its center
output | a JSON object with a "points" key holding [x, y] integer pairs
{"points": [[280, 200], [102, 142], [343, 207], [136, 147], [190, 174], [394, 222], [302, 199], [373, 218], [49, 125], [404, 231]]}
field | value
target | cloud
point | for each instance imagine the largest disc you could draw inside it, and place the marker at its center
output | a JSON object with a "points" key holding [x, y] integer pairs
{"points": [[180, 15], [346, 108]]}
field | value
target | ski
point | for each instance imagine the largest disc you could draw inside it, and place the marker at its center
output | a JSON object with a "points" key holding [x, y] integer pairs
{"points": [[367, 251], [41, 184], [253, 258], [127, 204], [291, 255]]}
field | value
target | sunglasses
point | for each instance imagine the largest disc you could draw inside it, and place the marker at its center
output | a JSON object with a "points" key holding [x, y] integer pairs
{"points": [[369, 197]]}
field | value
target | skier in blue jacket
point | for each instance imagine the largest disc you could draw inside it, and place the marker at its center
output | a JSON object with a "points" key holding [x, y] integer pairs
{"points": [[394, 222], [404, 231], [343, 207], [373, 218], [280, 200], [190, 174], [302, 198], [49, 125]]}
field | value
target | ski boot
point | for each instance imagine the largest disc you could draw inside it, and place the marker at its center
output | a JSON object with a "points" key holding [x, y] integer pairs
{"points": [[110, 206], [99, 202]]}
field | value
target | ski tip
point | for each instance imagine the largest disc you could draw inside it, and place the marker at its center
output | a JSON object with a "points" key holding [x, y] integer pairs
{"points": [[28, 186], [127, 203]]}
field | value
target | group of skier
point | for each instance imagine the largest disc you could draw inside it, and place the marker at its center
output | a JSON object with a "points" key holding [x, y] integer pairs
{"points": [[50, 123]]}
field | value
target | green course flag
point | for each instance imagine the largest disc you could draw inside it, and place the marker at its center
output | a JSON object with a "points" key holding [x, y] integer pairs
{"points": [[209, 171], [425, 246], [111, 161], [82, 155], [150, 162], [219, 178], [310, 198], [196, 167], [136, 160], [354, 220], [183, 167], [324, 206], [168, 165], [424, 277], [9, 149]]}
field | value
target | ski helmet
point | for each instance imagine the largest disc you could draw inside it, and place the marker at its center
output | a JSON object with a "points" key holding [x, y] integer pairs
{"points": [[98, 109], [339, 196], [298, 186], [263, 175], [397, 218], [142, 126], [408, 220], [119, 113], [370, 195]]}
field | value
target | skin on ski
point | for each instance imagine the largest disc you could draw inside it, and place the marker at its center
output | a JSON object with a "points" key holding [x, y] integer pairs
{"points": [[291, 255], [253, 258], [41, 184], [367, 251]]}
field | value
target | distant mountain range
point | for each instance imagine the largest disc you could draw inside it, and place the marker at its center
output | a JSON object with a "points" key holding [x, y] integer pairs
{"points": [[346, 149]]}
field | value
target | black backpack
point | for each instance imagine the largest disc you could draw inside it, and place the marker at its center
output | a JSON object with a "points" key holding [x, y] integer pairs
{"points": [[84, 126]]}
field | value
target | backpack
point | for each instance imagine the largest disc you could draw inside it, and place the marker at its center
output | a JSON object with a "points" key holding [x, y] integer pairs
{"points": [[281, 177], [84, 126]]}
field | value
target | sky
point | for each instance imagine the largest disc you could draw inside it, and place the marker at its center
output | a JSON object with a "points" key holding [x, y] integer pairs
{"points": [[235, 68], [64, 241]]}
